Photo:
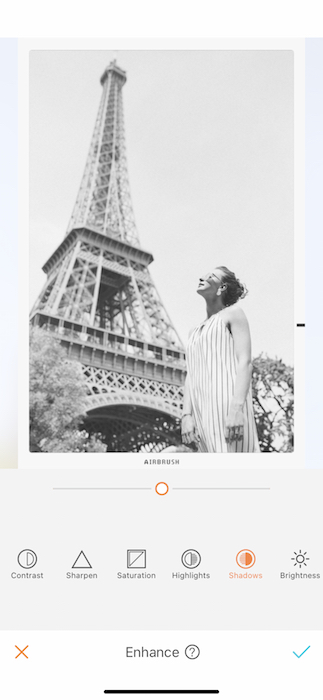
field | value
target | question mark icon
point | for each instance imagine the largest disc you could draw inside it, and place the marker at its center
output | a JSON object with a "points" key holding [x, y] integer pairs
{"points": [[192, 651]]}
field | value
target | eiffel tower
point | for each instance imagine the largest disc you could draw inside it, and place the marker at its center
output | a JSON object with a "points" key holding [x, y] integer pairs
{"points": [[99, 299]]}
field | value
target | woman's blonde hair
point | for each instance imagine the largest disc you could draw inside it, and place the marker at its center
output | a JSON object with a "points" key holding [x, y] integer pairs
{"points": [[235, 289]]}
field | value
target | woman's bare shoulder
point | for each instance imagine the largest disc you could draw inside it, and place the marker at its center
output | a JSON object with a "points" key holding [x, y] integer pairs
{"points": [[233, 313]]}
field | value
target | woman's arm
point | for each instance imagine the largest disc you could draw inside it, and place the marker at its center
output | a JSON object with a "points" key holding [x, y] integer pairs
{"points": [[189, 433], [240, 332], [187, 403]]}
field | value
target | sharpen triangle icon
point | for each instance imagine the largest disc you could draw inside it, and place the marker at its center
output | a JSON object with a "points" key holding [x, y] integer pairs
{"points": [[81, 562]]}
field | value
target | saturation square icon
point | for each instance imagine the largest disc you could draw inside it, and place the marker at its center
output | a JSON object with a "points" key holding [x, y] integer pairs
{"points": [[136, 558]]}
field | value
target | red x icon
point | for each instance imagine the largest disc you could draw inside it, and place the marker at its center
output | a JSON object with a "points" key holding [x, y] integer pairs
{"points": [[21, 651]]}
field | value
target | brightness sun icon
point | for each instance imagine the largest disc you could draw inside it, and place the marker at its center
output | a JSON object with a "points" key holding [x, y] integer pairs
{"points": [[300, 559]]}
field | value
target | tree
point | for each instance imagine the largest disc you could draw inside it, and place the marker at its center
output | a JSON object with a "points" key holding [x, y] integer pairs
{"points": [[273, 399], [57, 399]]}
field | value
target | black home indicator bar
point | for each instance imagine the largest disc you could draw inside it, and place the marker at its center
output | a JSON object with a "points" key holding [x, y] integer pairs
{"points": [[163, 692]]}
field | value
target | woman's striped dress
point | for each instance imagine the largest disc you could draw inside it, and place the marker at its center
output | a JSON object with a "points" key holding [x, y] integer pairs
{"points": [[211, 373]]}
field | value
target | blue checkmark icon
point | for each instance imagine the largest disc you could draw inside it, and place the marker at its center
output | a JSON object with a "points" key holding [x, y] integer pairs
{"points": [[303, 652]]}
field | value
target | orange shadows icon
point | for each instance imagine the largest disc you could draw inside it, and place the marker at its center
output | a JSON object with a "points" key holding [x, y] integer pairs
{"points": [[245, 558], [21, 651]]}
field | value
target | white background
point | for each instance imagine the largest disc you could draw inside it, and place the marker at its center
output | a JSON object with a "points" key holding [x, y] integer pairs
{"points": [[239, 664], [48, 676], [58, 514]]}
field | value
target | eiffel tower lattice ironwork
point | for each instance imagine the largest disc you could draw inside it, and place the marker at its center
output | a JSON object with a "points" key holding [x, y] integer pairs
{"points": [[100, 301]]}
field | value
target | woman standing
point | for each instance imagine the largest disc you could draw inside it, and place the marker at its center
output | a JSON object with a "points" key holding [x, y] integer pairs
{"points": [[218, 413]]}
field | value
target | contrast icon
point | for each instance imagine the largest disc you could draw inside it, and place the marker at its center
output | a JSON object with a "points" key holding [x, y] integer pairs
{"points": [[81, 562], [136, 558], [192, 651], [27, 559], [191, 558], [245, 558], [300, 559]]}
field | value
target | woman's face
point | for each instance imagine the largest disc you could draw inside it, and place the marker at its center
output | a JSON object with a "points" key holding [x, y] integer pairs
{"points": [[210, 283]]}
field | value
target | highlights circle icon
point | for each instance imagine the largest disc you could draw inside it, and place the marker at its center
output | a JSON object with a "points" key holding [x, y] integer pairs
{"points": [[191, 558], [245, 558]]}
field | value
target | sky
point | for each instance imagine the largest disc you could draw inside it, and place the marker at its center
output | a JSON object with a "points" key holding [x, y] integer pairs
{"points": [[210, 156]]}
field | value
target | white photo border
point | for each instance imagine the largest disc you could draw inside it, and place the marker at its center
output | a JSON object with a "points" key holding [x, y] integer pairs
{"points": [[262, 461]]}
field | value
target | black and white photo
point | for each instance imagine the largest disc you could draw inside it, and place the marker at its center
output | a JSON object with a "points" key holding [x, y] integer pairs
{"points": [[161, 215]]}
